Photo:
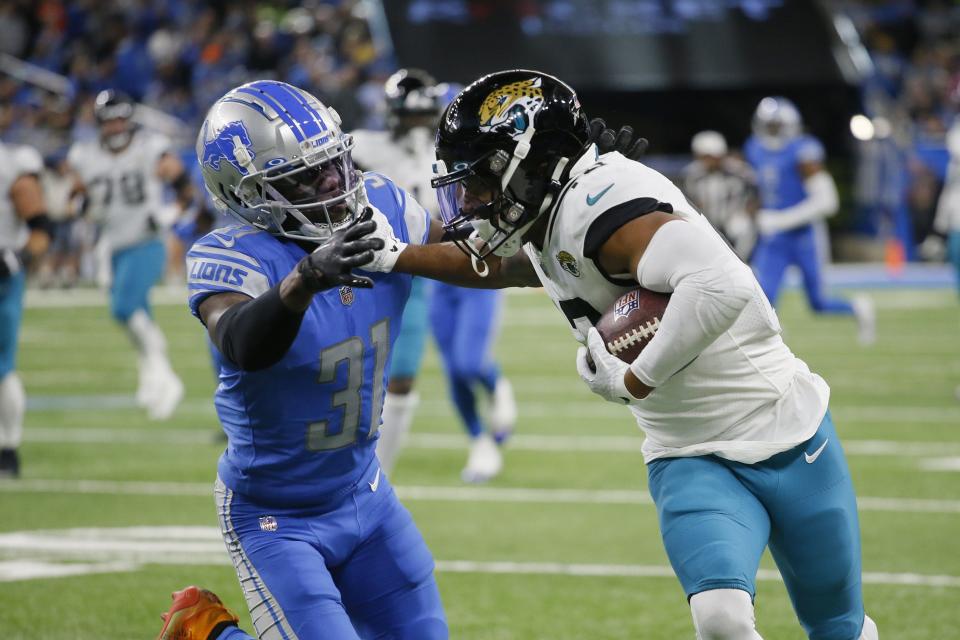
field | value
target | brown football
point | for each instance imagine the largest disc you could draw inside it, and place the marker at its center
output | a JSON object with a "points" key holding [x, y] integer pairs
{"points": [[631, 322]]}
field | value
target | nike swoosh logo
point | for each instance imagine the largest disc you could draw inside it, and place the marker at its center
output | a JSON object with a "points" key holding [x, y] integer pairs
{"points": [[816, 454], [592, 200], [376, 482], [227, 242]]}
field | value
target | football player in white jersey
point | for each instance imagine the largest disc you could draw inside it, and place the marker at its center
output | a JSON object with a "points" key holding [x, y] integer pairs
{"points": [[738, 433], [24, 234], [123, 175], [465, 321]]}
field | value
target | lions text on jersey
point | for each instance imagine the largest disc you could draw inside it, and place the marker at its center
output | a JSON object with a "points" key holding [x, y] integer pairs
{"points": [[746, 396], [304, 429]]}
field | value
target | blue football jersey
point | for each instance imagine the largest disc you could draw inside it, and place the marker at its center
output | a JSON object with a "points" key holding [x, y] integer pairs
{"points": [[302, 431], [778, 173]]}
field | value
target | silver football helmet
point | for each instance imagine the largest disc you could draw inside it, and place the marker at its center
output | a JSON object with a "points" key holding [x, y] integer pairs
{"points": [[274, 156], [776, 121]]}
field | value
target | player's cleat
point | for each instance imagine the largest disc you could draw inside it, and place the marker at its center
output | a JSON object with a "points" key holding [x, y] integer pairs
{"points": [[9, 463], [866, 316], [485, 460], [503, 410], [196, 614], [168, 395]]}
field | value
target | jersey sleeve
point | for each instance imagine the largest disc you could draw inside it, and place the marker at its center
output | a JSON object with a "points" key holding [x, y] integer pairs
{"points": [[810, 149], [27, 160], [411, 222], [215, 269], [416, 218], [611, 198]]}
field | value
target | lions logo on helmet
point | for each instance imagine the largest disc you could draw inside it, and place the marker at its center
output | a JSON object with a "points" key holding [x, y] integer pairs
{"points": [[511, 108], [230, 143]]}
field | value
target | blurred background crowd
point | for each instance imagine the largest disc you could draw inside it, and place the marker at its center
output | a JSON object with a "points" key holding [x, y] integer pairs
{"points": [[176, 57]]}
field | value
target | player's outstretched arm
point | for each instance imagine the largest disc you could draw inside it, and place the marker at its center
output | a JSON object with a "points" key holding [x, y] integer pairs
{"points": [[444, 261], [255, 333]]}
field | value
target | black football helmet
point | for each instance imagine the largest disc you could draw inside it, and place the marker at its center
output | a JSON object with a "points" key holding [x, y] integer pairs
{"points": [[412, 100], [504, 150], [113, 105]]}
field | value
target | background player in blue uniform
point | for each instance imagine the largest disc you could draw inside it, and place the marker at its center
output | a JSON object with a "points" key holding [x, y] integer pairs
{"points": [[465, 321], [320, 542], [796, 195]]}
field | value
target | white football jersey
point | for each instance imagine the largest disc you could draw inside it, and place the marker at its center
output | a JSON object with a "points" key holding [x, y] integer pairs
{"points": [[17, 160], [746, 397], [123, 188], [408, 161]]}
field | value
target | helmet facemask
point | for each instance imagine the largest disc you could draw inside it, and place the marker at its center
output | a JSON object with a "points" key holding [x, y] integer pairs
{"points": [[497, 197], [307, 198], [116, 126]]}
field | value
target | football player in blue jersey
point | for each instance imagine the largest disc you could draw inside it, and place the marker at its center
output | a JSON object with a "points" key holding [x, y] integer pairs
{"points": [[319, 540], [464, 321], [796, 195]]}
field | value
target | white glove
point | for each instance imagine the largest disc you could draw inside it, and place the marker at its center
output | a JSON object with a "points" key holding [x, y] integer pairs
{"points": [[770, 222], [605, 377], [385, 259]]}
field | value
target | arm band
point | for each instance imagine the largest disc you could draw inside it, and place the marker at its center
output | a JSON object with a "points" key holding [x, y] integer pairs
{"points": [[41, 222], [710, 286], [257, 333]]}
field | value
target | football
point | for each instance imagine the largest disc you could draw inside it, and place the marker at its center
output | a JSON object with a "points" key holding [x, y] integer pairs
{"points": [[631, 322]]}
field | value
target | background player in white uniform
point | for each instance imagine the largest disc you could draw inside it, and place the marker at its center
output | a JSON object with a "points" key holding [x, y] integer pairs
{"points": [[465, 321], [738, 436], [24, 234], [124, 174]]}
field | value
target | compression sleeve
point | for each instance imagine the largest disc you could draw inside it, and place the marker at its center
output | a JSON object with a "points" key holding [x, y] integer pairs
{"points": [[710, 286], [256, 333]]}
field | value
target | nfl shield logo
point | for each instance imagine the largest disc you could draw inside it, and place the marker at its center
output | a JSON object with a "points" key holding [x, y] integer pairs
{"points": [[346, 296], [268, 523], [626, 303]]}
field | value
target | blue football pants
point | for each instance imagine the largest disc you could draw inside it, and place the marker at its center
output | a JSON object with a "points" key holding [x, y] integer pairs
{"points": [[717, 516], [135, 270], [355, 569], [408, 348], [465, 323], [776, 252], [11, 313]]}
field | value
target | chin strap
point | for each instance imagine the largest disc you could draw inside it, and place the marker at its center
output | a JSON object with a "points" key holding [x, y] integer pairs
{"points": [[477, 264]]}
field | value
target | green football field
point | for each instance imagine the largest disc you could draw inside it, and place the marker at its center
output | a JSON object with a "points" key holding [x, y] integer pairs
{"points": [[114, 512]]}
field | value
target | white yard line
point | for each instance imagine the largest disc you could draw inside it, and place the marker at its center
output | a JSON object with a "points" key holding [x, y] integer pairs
{"points": [[55, 553], [442, 494], [629, 444], [556, 409]]}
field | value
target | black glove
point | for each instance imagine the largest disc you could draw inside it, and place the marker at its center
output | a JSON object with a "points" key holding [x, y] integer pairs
{"points": [[10, 263], [625, 140], [329, 265]]}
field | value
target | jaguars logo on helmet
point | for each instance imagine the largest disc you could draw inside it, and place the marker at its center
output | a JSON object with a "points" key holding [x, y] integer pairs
{"points": [[511, 108], [504, 149]]}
